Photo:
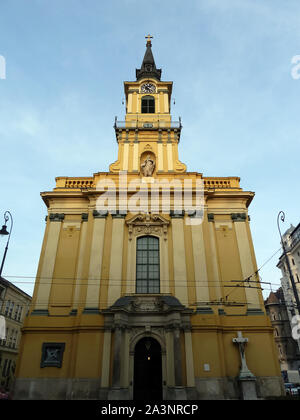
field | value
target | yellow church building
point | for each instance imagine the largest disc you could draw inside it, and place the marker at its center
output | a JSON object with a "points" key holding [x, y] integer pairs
{"points": [[147, 284]]}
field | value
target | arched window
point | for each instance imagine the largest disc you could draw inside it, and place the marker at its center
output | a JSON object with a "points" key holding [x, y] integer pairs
{"points": [[148, 105], [147, 265]]}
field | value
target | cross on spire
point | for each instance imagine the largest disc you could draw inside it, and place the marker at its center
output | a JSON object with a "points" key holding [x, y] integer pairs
{"points": [[149, 37]]}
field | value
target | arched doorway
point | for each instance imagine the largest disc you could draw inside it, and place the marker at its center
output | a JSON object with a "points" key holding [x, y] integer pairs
{"points": [[147, 370]]}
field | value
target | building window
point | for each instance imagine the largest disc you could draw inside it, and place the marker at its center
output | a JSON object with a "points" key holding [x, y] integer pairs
{"points": [[14, 340], [148, 105], [2, 290], [147, 265], [52, 354], [4, 368], [16, 312], [19, 313], [7, 308], [12, 304]]}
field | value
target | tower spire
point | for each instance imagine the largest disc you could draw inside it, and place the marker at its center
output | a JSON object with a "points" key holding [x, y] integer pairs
{"points": [[148, 68]]}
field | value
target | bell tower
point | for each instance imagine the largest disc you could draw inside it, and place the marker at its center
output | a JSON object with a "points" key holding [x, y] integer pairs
{"points": [[148, 130]]}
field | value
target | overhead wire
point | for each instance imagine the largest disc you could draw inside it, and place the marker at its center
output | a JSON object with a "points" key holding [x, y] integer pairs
{"points": [[119, 282]]}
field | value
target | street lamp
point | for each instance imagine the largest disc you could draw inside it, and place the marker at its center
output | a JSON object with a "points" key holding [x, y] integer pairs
{"points": [[281, 215], [4, 232]]}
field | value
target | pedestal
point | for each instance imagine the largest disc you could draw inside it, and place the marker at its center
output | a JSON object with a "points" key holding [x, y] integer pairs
{"points": [[248, 388], [176, 393], [118, 394]]}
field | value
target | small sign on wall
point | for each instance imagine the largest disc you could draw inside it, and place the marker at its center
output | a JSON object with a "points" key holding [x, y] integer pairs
{"points": [[206, 367]]}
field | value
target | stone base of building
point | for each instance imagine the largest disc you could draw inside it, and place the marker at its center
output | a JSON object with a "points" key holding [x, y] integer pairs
{"points": [[89, 389], [56, 389], [248, 388]]}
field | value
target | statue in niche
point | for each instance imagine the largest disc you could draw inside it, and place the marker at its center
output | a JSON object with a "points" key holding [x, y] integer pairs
{"points": [[148, 166]]}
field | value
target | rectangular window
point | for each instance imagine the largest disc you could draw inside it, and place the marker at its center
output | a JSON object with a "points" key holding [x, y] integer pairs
{"points": [[14, 343], [19, 313], [12, 304], [148, 105], [2, 290], [4, 368], [147, 265], [7, 308], [16, 312]]}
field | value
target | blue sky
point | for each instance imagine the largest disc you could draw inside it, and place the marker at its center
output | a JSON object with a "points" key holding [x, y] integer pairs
{"points": [[230, 61]]}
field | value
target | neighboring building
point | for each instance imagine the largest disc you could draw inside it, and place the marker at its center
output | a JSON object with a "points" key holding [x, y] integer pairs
{"points": [[14, 305], [291, 239], [145, 303], [288, 351]]}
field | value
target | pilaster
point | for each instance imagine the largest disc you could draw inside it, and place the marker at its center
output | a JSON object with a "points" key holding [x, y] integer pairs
{"points": [[94, 276], [46, 274]]}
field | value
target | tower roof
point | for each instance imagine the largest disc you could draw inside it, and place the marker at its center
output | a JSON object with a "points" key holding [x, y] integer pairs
{"points": [[148, 68], [272, 299]]}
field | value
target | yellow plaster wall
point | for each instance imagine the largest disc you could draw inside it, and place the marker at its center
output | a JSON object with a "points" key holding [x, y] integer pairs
{"points": [[65, 270], [212, 344], [206, 350], [89, 354], [30, 358]]}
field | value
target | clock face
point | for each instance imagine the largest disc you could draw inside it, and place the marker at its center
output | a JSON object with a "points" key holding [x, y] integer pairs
{"points": [[148, 88]]}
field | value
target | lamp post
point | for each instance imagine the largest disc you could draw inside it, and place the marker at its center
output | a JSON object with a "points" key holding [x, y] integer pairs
{"points": [[281, 215], [4, 232]]}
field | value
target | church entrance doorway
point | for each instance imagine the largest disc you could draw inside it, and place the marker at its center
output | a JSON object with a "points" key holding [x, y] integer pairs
{"points": [[147, 370]]}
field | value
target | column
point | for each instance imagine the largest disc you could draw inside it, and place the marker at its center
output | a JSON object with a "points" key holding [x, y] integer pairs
{"points": [[129, 106], [131, 265], [170, 157], [180, 278], [246, 263], [81, 252], [116, 258], [166, 103], [116, 374], [201, 280], [178, 358], [125, 359], [94, 278], [106, 359], [214, 259], [170, 358], [164, 266], [189, 358], [160, 157], [135, 161], [45, 280], [125, 156]]}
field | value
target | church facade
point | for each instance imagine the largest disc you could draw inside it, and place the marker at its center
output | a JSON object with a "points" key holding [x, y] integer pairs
{"points": [[147, 285]]}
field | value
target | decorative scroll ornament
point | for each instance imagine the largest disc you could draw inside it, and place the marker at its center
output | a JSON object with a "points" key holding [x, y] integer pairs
{"points": [[147, 304], [148, 224]]}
